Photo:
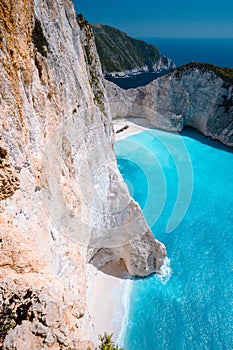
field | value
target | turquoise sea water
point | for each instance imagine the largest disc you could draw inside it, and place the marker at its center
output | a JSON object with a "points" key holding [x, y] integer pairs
{"points": [[192, 308]]}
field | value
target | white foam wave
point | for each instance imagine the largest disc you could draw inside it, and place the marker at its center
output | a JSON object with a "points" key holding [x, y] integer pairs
{"points": [[124, 289], [166, 271], [122, 314]]}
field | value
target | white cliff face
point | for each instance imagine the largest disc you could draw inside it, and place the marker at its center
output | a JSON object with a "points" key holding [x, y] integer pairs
{"points": [[63, 201], [193, 97]]}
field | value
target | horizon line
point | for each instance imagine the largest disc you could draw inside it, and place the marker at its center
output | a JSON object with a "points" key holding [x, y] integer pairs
{"points": [[182, 37]]}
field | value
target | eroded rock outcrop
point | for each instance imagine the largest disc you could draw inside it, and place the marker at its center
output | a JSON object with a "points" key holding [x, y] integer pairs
{"points": [[72, 205], [9, 181], [195, 95]]}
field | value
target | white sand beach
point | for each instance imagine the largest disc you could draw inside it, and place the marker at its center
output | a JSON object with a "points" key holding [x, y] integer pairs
{"points": [[135, 125], [108, 297]]}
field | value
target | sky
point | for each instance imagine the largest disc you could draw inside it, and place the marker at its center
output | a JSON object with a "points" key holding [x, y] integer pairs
{"points": [[164, 18]]}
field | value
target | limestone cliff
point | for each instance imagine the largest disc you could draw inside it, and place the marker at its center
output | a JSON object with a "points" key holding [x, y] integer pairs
{"points": [[63, 201], [121, 55], [196, 95]]}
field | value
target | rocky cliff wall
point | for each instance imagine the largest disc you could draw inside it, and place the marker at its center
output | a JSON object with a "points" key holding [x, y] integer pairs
{"points": [[63, 201], [195, 95]]}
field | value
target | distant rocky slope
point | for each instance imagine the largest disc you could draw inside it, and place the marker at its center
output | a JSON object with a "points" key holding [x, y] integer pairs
{"points": [[120, 55], [196, 95], [63, 202]]}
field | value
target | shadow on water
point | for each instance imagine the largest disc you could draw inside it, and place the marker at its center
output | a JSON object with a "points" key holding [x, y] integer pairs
{"points": [[194, 134]]}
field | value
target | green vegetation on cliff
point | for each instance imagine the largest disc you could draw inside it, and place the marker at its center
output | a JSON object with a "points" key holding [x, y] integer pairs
{"points": [[87, 40], [118, 52], [225, 74], [106, 343]]}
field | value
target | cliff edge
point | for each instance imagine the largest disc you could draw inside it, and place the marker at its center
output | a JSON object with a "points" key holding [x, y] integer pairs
{"points": [[63, 202]]}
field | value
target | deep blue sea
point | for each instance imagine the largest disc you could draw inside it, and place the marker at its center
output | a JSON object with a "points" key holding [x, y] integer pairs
{"points": [[207, 50], [184, 184], [184, 50]]}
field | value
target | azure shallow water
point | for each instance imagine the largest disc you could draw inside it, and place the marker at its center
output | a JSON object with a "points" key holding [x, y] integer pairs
{"points": [[192, 307]]}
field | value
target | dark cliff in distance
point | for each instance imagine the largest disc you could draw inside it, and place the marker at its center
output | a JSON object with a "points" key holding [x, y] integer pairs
{"points": [[121, 55]]}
